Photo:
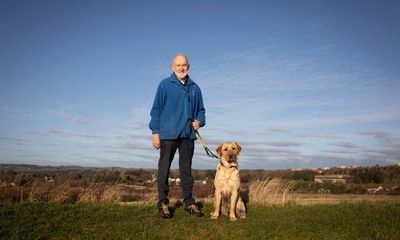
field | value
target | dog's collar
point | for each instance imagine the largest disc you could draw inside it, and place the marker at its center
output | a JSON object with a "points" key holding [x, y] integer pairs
{"points": [[222, 164]]}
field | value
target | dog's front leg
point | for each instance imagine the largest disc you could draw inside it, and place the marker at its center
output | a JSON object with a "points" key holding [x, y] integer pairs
{"points": [[234, 199], [217, 205]]}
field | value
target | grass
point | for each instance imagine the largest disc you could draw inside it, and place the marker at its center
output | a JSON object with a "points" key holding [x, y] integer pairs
{"points": [[111, 221]]}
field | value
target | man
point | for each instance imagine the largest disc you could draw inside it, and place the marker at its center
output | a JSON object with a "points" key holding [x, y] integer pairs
{"points": [[177, 111]]}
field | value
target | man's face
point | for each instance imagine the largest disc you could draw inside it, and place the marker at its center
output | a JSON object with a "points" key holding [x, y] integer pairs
{"points": [[180, 67]]}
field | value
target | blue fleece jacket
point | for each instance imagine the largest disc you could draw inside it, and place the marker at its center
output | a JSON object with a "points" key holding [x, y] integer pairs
{"points": [[175, 106]]}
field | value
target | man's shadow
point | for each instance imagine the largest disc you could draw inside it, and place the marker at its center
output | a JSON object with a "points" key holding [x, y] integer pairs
{"points": [[179, 204]]}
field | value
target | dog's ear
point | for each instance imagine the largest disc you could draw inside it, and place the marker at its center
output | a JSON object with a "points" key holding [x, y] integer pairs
{"points": [[238, 147], [219, 149]]}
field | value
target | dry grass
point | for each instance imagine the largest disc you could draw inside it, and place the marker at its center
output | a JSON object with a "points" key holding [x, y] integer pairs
{"points": [[278, 192], [111, 194], [90, 194], [270, 192], [118, 193], [314, 199], [42, 191], [101, 193]]}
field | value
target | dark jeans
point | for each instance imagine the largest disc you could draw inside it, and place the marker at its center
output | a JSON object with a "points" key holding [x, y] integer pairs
{"points": [[167, 152]]}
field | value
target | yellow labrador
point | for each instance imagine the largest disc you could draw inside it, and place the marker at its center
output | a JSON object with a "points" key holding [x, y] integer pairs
{"points": [[227, 183]]}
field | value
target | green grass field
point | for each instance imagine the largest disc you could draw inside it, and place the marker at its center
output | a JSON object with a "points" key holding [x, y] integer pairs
{"points": [[89, 221]]}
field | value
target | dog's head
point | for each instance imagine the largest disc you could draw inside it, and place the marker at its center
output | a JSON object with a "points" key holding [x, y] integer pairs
{"points": [[229, 151]]}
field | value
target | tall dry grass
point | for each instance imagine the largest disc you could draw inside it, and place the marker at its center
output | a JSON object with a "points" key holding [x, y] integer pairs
{"points": [[91, 194], [117, 193], [268, 192], [273, 191], [101, 193]]}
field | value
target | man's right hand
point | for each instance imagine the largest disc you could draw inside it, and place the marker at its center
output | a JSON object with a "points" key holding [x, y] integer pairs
{"points": [[156, 141]]}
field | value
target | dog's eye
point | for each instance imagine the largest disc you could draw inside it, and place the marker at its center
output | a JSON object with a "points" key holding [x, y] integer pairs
{"points": [[225, 149], [233, 148]]}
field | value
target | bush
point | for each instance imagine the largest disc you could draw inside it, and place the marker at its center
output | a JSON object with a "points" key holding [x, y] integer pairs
{"points": [[9, 194], [336, 188], [306, 187], [367, 175], [107, 179], [306, 175], [41, 191], [355, 189], [316, 187]]}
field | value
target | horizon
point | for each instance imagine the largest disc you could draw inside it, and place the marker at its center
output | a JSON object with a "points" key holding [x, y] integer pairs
{"points": [[297, 84], [196, 169]]}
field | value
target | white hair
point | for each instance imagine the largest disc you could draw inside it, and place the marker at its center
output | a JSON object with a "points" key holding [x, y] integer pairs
{"points": [[182, 55]]}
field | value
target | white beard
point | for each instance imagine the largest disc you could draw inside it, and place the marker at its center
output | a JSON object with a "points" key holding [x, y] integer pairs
{"points": [[181, 75]]}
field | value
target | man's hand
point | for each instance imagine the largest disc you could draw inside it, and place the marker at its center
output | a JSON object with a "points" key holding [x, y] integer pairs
{"points": [[196, 124], [156, 141]]}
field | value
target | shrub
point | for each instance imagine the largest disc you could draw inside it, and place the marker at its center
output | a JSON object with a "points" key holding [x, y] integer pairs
{"points": [[335, 188], [9, 194], [41, 191], [306, 175], [368, 175]]}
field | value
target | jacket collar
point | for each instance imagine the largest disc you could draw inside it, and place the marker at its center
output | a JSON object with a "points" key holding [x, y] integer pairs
{"points": [[173, 78]]}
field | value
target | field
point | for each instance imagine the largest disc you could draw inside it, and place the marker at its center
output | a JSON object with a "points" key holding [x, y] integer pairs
{"points": [[379, 220], [64, 203]]}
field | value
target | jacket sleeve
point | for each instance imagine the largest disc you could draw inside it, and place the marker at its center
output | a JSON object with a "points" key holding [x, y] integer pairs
{"points": [[157, 108], [201, 111]]}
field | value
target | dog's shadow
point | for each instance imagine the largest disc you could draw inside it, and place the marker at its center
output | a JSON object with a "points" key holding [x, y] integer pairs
{"points": [[244, 194]]}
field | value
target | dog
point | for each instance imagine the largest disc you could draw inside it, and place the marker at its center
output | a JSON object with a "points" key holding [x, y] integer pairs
{"points": [[227, 183]]}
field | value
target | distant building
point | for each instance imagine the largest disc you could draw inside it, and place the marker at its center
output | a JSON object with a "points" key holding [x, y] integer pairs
{"points": [[177, 181], [297, 169], [332, 178], [200, 182]]}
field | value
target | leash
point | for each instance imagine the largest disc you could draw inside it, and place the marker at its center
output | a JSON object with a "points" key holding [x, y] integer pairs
{"points": [[208, 151]]}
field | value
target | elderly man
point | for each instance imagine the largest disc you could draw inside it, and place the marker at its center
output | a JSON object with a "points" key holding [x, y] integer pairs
{"points": [[177, 111]]}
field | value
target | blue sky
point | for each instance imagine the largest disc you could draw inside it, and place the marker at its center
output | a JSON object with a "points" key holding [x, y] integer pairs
{"points": [[299, 84]]}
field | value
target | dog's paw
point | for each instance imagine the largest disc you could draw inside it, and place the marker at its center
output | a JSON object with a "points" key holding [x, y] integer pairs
{"points": [[242, 217], [214, 217], [233, 218]]}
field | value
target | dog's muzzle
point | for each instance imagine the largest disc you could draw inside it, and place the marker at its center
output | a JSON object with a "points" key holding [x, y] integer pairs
{"points": [[231, 158]]}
